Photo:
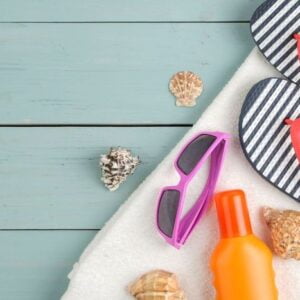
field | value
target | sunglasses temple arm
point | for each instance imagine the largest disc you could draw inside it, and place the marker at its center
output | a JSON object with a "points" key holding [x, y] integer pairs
{"points": [[191, 219]]}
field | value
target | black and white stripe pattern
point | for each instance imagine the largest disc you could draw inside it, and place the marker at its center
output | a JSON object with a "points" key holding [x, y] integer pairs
{"points": [[273, 25], [266, 139]]}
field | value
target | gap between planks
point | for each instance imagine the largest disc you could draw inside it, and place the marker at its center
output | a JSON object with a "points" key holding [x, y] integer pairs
{"points": [[97, 125], [49, 229], [124, 22]]}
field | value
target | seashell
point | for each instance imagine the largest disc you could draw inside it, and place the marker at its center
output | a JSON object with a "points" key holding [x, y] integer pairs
{"points": [[186, 87], [116, 166], [285, 231], [157, 285]]}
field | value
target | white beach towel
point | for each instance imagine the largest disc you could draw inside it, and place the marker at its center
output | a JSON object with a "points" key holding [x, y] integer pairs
{"points": [[129, 244]]}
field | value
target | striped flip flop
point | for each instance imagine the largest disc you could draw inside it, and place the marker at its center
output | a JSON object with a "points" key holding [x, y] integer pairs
{"points": [[264, 136], [274, 27]]}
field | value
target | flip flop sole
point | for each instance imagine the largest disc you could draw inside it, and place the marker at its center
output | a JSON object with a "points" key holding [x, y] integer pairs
{"points": [[273, 25], [264, 136]]}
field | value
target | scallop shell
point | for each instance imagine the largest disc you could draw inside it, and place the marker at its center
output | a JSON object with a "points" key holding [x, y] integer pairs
{"points": [[157, 285], [116, 166], [285, 231], [186, 87]]}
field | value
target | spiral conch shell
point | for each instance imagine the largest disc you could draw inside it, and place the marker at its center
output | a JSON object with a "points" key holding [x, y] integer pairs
{"points": [[285, 231], [186, 87], [157, 285]]}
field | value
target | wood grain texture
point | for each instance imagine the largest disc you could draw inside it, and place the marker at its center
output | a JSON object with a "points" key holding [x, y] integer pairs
{"points": [[50, 176], [34, 264], [126, 10], [112, 73], [93, 73]]}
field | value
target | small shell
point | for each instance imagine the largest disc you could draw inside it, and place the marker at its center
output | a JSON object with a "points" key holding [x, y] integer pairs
{"points": [[157, 285], [285, 231], [186, 87], [116, 166]]}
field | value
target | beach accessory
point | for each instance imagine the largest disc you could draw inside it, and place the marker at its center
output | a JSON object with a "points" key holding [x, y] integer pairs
{"points": [[295, 135], [157, 285], [263, 134], [275, 26], [265, 137], [186, 86], [116, 166], [241, 263], [284, 226], [170, 223]]}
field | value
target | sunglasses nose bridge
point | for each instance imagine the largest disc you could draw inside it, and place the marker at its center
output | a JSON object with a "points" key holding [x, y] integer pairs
{"points": [[183, 180]]}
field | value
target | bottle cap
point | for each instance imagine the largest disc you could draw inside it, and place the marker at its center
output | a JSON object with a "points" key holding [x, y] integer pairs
{"points": [[233, 214]]}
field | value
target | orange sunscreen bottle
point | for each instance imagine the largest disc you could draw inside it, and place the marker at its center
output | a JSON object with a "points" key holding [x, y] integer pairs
{"points": [[241, 263]]}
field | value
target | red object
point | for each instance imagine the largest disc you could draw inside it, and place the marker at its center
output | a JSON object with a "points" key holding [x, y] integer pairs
{"points": [[295, 134], [233, 214], [296, 36]]}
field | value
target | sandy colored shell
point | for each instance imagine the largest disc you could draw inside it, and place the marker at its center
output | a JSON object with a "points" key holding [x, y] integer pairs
{"points": [[186, 87], [157, 285], [285, 231]]}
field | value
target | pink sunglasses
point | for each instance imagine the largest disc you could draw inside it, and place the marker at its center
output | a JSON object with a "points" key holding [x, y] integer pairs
{"points": [[171, 226]]}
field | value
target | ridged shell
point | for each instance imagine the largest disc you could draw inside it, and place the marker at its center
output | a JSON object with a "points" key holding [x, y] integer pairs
{"points": [[157, 285], [186, 87], [285, 231]]}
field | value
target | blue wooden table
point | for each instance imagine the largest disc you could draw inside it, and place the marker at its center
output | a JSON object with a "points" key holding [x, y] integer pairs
{"points": [[77, 77]]}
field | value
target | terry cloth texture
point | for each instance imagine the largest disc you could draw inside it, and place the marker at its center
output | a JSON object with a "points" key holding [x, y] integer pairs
{"points": [[129, 244]]}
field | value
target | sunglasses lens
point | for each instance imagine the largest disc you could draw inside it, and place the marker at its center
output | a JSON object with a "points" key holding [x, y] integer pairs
{"points": [[167, 211], [194, 152]]}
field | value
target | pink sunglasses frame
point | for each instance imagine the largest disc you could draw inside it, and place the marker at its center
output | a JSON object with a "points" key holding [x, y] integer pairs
{"points": [[184, 226]]}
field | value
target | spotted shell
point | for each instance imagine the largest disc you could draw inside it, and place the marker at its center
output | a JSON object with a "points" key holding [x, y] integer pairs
{"points": [[157, 285], [186, 87], [285, 231], [116, 166]]}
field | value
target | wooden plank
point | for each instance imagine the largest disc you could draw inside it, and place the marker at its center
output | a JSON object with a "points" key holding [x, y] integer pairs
{"points": [[126, 10], [112, 73], [34, 264], [49, 177]]}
